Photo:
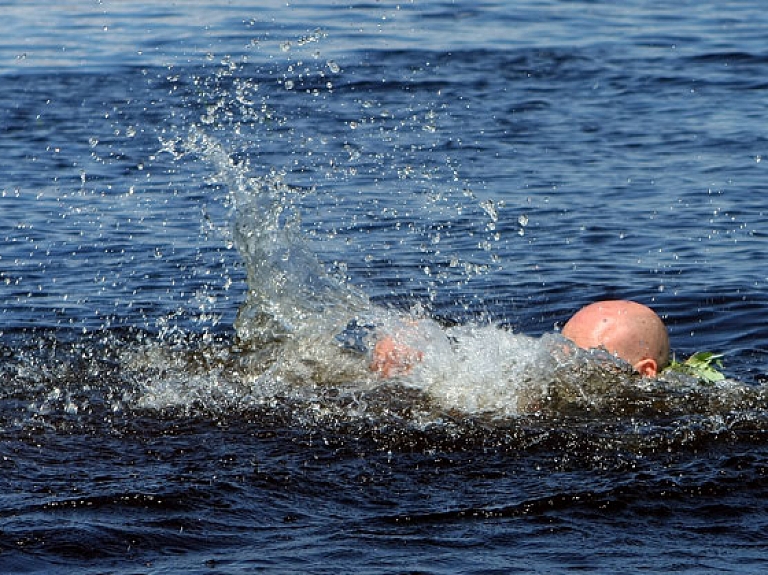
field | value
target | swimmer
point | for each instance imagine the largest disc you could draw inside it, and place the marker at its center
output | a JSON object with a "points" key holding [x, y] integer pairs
{"points": [[629, 330]]}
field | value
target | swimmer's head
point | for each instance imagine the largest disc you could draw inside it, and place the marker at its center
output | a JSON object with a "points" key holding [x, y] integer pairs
{"points": [[626, 329]]}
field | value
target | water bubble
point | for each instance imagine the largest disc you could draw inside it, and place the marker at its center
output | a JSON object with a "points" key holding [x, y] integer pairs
{"points": [[333, 66]]}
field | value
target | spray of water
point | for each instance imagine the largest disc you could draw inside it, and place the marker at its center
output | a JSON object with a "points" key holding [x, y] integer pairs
{"points": [[303, 330]]}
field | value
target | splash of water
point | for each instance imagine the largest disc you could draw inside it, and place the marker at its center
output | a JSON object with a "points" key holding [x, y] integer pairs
{"points": [[293, 325], [296, 309], [293, 329], [290, 293]]}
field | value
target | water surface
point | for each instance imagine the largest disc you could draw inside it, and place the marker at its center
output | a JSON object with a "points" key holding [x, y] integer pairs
{"points": [[489, 167]]}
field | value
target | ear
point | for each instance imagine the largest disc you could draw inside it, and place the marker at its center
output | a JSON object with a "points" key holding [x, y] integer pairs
{"points": [[647, 367]]}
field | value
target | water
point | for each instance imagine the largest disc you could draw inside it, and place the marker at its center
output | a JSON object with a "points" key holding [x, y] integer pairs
{"points": [[208, 212]]}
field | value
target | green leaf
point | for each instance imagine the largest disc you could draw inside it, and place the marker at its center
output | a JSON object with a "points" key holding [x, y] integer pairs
{"points": [[702, 365]]}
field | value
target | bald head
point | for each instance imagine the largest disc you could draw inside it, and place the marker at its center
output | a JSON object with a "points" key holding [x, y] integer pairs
{"points": [[627, 329]]}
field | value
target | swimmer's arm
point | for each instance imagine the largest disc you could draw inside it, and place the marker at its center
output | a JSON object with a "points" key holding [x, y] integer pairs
{"points": [[392, 358]]}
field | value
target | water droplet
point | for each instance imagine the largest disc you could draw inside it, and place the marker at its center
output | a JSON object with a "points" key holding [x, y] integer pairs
{"points": [[490, 209]]}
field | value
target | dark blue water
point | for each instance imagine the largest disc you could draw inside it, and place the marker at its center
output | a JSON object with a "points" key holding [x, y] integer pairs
{"points": [[169, 172]]}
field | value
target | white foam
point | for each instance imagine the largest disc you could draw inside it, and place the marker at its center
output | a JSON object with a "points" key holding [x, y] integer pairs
{"points": [[479, 369]]}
